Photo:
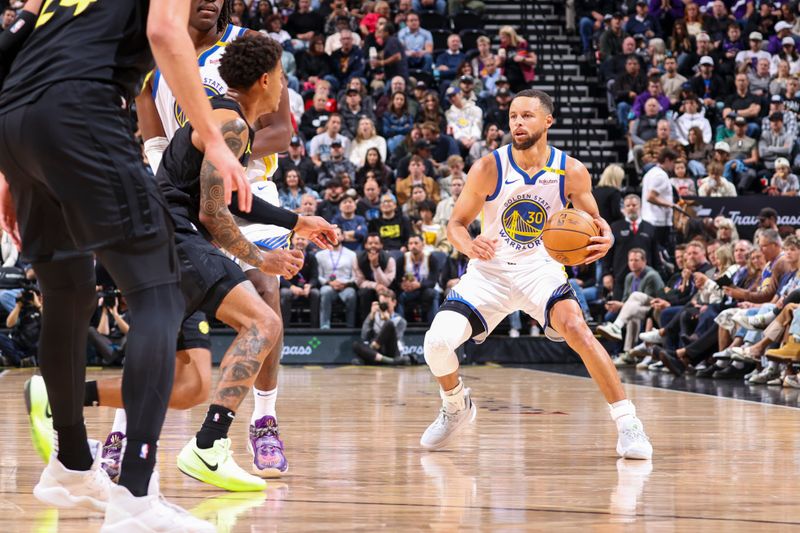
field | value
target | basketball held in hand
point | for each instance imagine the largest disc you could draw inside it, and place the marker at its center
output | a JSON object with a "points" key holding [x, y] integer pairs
{"points": [[567, 234]]}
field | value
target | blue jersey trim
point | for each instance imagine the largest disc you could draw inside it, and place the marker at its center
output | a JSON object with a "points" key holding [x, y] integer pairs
{"points": [[242, 31], [499, 177], [458, 298], [563, 178], [530, 180], [156, 79], [201, 61]]}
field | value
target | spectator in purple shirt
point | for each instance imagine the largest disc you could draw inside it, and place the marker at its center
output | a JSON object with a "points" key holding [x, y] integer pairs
{"points": [[782, 29], [654, 90]]}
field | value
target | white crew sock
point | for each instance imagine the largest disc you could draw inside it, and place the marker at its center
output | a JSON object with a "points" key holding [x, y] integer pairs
{"points": [[264, 404], [120, 421], [621, 411]]}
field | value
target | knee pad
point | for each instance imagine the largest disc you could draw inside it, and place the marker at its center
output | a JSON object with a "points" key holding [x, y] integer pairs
{"points": [[448, 331]]}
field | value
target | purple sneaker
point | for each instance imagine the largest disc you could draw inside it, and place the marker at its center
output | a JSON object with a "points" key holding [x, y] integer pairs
{"points": [[112, 454], [267, 448]]}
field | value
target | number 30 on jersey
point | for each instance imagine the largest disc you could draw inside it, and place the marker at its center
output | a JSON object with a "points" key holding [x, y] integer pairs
{"points": [[48, 10]]}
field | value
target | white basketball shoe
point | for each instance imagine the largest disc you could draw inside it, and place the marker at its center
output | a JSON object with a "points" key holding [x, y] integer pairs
{"points": [[455, 414]]}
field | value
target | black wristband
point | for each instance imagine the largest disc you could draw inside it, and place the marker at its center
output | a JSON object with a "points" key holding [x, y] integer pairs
{"points": [[264, 213]]}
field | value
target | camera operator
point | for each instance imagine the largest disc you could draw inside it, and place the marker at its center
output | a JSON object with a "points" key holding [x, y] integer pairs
{"points": [[382, 334], [20, 345], [108, 337]]}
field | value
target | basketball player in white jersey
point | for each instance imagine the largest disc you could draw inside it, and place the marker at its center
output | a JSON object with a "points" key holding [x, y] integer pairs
{"points": [[518, 187], [160, 117]]}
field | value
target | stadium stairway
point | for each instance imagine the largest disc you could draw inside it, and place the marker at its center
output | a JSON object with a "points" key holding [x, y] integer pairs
{"points": [[581, 126]]}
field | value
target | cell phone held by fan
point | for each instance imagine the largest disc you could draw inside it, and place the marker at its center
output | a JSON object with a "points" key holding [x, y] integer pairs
{"points": [[724, 281]]}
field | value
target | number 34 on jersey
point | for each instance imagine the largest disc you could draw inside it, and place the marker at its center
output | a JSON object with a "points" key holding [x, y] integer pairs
{"points": [[50, 7]]}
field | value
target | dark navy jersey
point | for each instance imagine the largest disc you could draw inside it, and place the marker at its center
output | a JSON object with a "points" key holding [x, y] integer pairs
{"points": [[179, 172], [98, 40]]}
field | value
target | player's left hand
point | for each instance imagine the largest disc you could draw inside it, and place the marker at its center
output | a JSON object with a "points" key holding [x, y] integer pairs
{"points": [[600, 244], [8, 214], [317, 230]]}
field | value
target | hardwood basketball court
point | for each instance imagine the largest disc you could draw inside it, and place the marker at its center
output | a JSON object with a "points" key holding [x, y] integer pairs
{"points": [[540, 457]]}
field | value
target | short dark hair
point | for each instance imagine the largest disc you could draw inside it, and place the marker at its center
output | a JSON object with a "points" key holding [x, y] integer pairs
{"points": [[667, 154], [544, 99], [334, 183], [247, 58], [373, 234], [639, 251], [415, 236], [389, 293], [426, 205]]}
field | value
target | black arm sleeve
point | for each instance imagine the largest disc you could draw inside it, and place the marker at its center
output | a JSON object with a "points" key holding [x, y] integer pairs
{"points": [[13, 38], [264, 213]]}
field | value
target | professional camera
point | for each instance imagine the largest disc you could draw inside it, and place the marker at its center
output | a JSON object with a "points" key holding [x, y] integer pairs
{"points": [[110, 297], [383, 306]]}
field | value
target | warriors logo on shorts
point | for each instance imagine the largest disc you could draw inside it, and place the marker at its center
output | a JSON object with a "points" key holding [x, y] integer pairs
{"points": [[523, 219]]}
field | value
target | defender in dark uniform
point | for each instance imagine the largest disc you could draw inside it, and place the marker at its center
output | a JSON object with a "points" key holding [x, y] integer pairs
{"points": [[79, 186]]}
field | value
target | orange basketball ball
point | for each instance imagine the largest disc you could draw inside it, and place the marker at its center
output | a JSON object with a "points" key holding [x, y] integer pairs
{"points": [[566, 236]]}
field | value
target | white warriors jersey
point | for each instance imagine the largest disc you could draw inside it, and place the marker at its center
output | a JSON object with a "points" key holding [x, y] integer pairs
{"points": [[258, 170], [520, 205]]}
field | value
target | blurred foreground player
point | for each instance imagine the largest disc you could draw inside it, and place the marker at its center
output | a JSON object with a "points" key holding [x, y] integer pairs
{"points": [[78, 185], [518, 187]]}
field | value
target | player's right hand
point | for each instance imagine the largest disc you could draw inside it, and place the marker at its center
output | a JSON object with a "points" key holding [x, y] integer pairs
{"points": [[483, 248], [232, 173], [286, 263]]}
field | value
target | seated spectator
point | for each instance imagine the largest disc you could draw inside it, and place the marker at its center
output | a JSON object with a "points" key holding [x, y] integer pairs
{"points": [[276, 32], [418, 43], [642, 284], [411, 206], [484, 45], [662, 140], [470, 87], [304, 24], [745, 103], [366, 138], [760, 78], [497, 112], [781, 79], [375, 271], [653, 91], [692, 116], [431, 111], [336, 165], [339, 21], [260, 20], [416, 176], [726, 231], [672, 81], [369, 205], [610, 43], [698, 152], [644, 127], [791, 98], [239, 9], [402, 9], [374, 13], [742, 147], [303, 286], [725, 129], [789, 54], [434, 235], [382, 334], [329, 206], [292, 190], [783, 181], [354, 227], [442, 146], [373, 164], [397, 121], [749, 58], [353, 111], [421, 148], [464, 119], [337, 280], [445, 207], [314, 64], [489, 76], [420, 276], [642, 22], [681, 180], [397, 85], [308, 206], [717, 21], [393, 227], [707, 85], [455, 169], [447, 62], [321, 145], [440, 6], [492, 137], [775, 142], [314, 120], [715, 184], [347, 62], [454, 268], [789, 119], [296, 160], [627, 88]]}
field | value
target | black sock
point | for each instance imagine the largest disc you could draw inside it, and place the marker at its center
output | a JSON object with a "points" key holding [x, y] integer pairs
{"points": [[91, 398], [138, 464], [73, 448], [218, 421]]}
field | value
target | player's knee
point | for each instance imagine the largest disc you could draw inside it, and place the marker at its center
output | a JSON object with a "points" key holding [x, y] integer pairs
{"points": [[440, 353], [574, 327]]}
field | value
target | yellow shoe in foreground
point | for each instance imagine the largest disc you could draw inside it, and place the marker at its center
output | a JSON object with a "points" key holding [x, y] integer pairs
{"points": [[41, 419], [216, 466], [223, 511]]}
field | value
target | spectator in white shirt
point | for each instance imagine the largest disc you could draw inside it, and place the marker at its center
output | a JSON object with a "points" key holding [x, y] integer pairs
{"points": [[657, 199], [320, 146], [464, 119]]}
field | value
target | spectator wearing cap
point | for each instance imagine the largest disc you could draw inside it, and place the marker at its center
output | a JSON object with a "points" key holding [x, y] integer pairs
{"points": [[314, 120], [418, 43], [789, 119], [775, 43], [732, 169], [347, 62], [421, 148], [692, 117], [296, 159], [753, 53], [393, 227], [654, 90], [416, 176], [653, 148], [789, 54], [715, 184], [353, 111], [775, 141], [745, 103], [742, 147], [336, 164], [448, 61], [464, 119], [610, 43], [321, 145], [767, 220], [354, 227], [642, 21], [760, 78], [627, 87], [707, 85], [725, 129], [671, 80], [366, 137], [470, 87], [783, 181], [498, 110], [702, 48]]}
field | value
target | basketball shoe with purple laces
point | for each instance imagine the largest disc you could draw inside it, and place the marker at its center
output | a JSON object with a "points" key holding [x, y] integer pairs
{"points": [[112, 454], [267, 448]]}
